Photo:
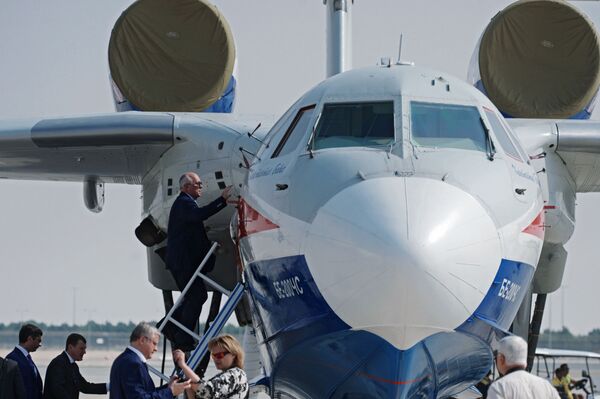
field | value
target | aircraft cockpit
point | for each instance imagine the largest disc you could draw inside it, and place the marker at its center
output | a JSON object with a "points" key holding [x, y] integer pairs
{"points": [[429, 119], [368, 124], [445, 125], [334, 125], [401, 121]]}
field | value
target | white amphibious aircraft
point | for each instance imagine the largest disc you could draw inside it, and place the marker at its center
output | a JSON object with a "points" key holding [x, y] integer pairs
{"points": [[391, 225]]}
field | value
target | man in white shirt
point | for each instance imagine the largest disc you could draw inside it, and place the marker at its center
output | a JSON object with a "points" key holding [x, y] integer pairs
{"points": [[516, 382]]}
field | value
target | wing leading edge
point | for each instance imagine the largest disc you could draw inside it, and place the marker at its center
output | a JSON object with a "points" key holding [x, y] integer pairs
{"points": [[116, 148]]}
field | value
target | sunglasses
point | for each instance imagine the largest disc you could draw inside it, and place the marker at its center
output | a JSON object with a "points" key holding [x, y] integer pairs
{"points": [[219, 355]]}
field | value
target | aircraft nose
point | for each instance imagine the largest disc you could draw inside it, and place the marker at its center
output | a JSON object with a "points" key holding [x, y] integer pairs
{"points": [[403, 257]]}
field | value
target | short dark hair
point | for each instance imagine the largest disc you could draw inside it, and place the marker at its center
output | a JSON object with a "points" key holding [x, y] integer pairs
{"points": [[73, 339], [29, 330]]}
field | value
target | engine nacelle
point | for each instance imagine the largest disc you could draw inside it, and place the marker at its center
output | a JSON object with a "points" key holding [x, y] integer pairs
{"points": [[539, 59], [175, 55]]}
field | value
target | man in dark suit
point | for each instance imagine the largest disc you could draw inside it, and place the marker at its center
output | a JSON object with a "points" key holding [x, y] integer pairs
{"points": [[30, 339], [63, 379], [11, 382], [187, 245], [129, 377]]}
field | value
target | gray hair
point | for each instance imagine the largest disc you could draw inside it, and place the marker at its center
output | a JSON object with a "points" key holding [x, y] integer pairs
{"points": [[185, 179], [514, 349], [143, 330]]}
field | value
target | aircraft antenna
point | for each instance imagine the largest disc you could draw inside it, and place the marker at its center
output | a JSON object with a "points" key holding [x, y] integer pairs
{"points": [[400, 62], [399, 51], [251, 135]]}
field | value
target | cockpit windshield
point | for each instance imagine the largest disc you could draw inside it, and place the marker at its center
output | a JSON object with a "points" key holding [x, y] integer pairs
{"points": [[447, 126], [355, 125]]}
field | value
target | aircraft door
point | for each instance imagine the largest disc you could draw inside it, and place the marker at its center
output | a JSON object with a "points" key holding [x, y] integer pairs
{"points": [[272, 174], [275, 183], [524, 180]]}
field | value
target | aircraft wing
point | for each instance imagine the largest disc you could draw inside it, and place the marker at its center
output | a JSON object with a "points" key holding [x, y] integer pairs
{"points": [[116, 148], [576, 142]]}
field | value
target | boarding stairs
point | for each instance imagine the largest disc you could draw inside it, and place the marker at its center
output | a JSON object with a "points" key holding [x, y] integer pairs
{"points": [[216, 326]]}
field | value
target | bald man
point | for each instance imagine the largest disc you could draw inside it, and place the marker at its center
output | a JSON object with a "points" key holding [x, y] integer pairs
{"points": [[187, 245]]}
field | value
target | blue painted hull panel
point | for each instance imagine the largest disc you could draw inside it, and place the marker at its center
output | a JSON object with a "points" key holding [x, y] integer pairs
{"points": [[314, 354], [362, 364]]}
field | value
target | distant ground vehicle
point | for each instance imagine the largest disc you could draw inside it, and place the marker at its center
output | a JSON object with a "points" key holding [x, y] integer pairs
{"points": [[548, 360]]}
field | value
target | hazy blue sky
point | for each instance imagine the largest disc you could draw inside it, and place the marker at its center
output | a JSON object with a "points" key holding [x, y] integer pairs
{"points": [[53, 62]]}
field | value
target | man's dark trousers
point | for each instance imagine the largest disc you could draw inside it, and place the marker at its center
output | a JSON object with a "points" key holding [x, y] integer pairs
{"points": [[187, 246]]}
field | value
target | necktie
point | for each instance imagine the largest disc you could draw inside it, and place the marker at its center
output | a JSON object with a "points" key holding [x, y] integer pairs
{"points": [[32, 364]]}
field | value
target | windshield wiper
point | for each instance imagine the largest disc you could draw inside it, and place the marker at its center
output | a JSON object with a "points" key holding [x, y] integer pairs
{"points": [[311, 140], [490, 150]]}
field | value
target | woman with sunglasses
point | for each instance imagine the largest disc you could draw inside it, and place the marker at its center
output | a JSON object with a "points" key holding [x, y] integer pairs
{"points": [[230, 383]]}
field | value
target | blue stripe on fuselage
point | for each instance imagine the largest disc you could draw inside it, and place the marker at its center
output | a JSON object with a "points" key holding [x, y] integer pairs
{"points": [[501, 303], [293, 317], [289, 304]]}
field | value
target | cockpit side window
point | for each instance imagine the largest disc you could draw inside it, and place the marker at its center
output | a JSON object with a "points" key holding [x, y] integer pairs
{"points": [[516, 142], [355, 125], [502, 136], [447, 126], [295, 132]]}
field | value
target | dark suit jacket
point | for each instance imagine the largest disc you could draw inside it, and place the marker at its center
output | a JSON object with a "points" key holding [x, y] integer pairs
{"points": [[11, 382], [187, 243], [129, 379], [31, 375], [64, 381]]}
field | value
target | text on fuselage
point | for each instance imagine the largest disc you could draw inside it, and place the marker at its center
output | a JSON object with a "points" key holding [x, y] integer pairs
{"points": [[509, 290], [288, 287]]}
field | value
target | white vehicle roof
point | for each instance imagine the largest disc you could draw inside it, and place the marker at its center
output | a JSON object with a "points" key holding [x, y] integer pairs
{"points": [[545, 352]]}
